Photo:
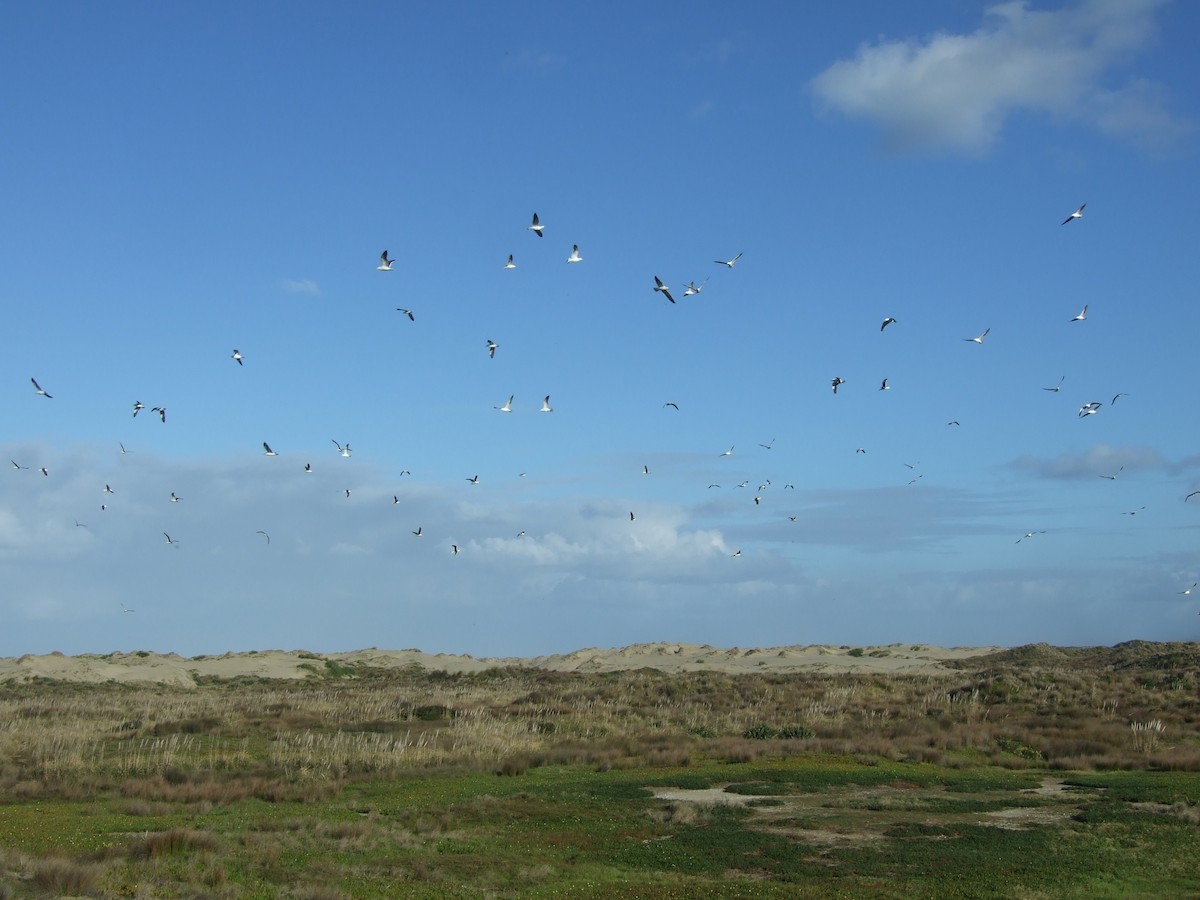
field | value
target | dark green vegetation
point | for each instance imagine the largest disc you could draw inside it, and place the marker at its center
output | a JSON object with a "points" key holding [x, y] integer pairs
{"points": [[1035, 773]]}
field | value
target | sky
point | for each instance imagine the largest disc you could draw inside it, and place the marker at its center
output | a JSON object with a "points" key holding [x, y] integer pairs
{"points": [[187, 179]]}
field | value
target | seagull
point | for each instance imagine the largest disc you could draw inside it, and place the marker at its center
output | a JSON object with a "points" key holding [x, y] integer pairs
{"points": [[162, 412], [1055, 389], [953, 422], [474, 479], [885, 386], [728, 452], [103, 507], [264, 534], [979, 340], [1189, 590], [345, 451], [910, 465], [1115, 398], [267, 449], [886, 322], [1113, 476], [122, 446], [125, 608], [37, 387], [574, 257], [107, 489], [757, 501], [407, 312], [838, 381], [791, 518], [347, 493], [768, 444], [669, 403], [174, 498], [1028, 534], [385, 264], [691, 288], [491, 347], [237, 357], [44, 470], [137, 407], [713, 486], [736, 555], [631, 517], [510, 264], [662, 288], [173, 543], [536, 227], [546, 407], [507, 407], [728, 263], [419, 532], [743, 484], [15, 465], [1090, 409], [1078, 214], [454, 549], [308, 468], [861, 450], [395, 499], [1191, 495], [645, 470], [1134, 512], [79, 524], [1082, 314], [520, 534]]}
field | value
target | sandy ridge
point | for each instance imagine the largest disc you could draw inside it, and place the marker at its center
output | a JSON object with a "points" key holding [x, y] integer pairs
{"points": [[170, 668]]}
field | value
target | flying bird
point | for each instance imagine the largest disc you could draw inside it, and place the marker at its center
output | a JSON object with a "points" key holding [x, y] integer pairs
{"points": [[15, 465], [885, 386], [37, 387], [1134, 512], [507, 407], [407, 312], [1090, 409], [1055, 389], [837, 382], [44, 471], [645, 470], [125, 608], [546, 407], [473, 479], [137, 407], [728, 452], [1082, 314], [631, 517], [979, 339], [1115, 398], [122, 446], [454, 549], [886, 322], [491, 348], [728, 263], [692, 288], [1078, 214], [107, 489], [510, 264], [1113, 476], [174, 498], [1189, 590], [264, 534], [669, 403], [419, 532], [1191, 495], [1028, 534], [308, 468], [953, 422], [347, 493], [173, 543], [237, 357], [267, 449], [345, 451], [662, 288], [162, 412], [574, 257], [768, 445], [735, 555], [536, 227], [385, 264]]}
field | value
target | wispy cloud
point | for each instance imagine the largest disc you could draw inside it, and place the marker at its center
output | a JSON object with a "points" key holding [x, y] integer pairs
{"points": [[304, 286], [955, 91], [1102, 459]]}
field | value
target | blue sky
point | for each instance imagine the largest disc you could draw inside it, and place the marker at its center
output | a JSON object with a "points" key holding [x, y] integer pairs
{"points": [[186, 179]]}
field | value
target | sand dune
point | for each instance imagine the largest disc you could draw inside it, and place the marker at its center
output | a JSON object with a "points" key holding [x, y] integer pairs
{"points": [[173, 669]]}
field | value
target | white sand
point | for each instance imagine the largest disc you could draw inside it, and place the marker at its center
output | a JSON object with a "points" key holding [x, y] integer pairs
{"points": [[907, 659]]}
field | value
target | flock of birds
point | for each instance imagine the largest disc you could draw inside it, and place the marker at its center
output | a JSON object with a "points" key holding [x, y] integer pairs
{"points": [[660, 287]]}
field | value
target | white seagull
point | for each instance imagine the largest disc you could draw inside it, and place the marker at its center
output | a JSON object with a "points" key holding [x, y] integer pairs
{"points": [[885, 386], [491, 347], [838, 381], [308, 468], [507, 407], [674, 405], [1056, 388], [728, 263], [1078, 214], [1082, 314], [886, 322], [37, 387], [264, 534], [1090, 409], [107, 489], [267, 449], [162, 412], [474, 479], [1189, 590], [419, 532], [662, 288], [1028, 534], [385, 264], [728, 452], [536, 227], [546, 407], [174, 498], [692, 288], [979, 339], [345, 451], [237, 356], [173, 543], [574, 257], [510, 264], [137, 407], [1113, 476], [407, 312]]}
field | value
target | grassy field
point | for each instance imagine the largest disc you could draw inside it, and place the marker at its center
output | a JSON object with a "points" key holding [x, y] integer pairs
{"points": [[1038, 772]]}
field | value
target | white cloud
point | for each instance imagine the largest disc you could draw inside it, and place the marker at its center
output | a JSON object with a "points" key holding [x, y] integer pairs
{"points": [[305, 286], [955, 91]]}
